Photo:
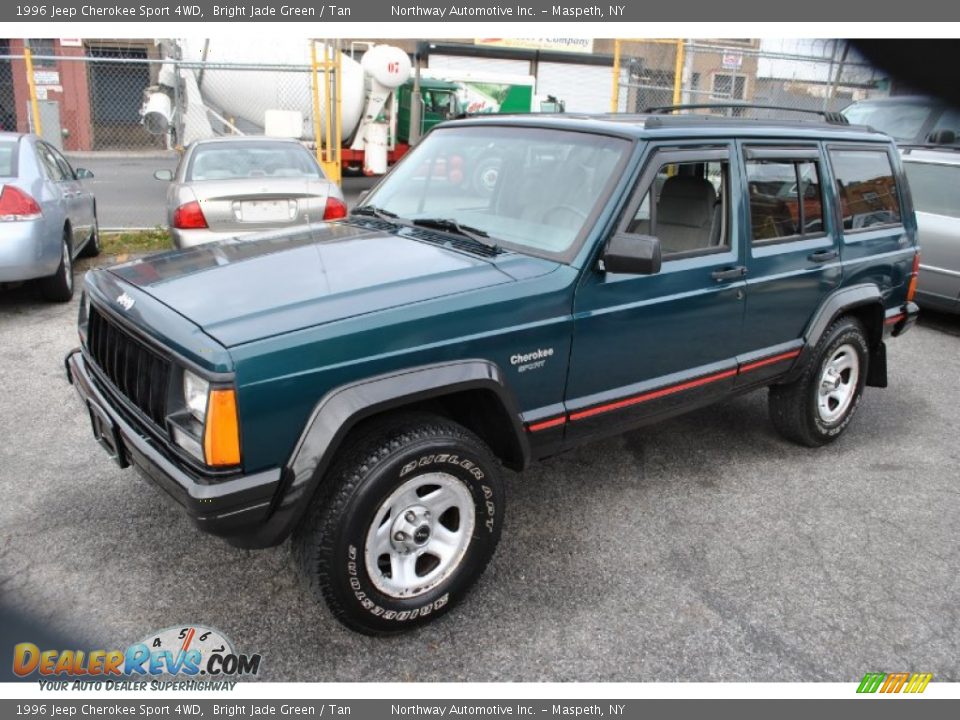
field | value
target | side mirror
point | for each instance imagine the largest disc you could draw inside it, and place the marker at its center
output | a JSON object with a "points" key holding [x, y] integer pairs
{"points": [[83, 174], [632, 254], [163, 175]]}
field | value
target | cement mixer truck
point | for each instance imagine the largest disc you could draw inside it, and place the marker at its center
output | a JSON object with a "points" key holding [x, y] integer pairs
{"points": [[230, 86]]}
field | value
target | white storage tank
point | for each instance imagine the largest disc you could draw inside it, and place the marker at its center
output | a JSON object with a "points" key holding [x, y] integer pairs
{"points": [[246, 95]]}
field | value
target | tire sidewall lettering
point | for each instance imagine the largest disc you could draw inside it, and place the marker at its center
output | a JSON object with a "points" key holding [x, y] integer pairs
{"points": [[855, 338], [469, 470]]}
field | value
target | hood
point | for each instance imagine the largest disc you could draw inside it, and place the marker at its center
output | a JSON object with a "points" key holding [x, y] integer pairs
{"points": [[246, 289]]}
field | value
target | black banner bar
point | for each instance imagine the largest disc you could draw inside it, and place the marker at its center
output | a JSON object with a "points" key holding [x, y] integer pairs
{"points": [[539, 11], [227, 708]]}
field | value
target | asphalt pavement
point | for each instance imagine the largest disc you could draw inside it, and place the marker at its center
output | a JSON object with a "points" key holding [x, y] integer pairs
{"points": [[705, 548], [128, 196]]}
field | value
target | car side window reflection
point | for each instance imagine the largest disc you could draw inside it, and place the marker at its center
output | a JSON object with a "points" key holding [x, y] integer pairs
{"points": [[785, 200]]}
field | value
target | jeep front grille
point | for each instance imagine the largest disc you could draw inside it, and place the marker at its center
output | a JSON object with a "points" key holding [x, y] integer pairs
{"points": [[139, 373]]}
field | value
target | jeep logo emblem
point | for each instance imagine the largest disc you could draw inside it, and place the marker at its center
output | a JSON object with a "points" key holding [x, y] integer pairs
{"points": [[421, 534]]}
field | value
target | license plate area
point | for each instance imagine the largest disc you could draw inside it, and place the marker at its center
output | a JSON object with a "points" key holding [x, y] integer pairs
{"points": [[266, 210], [105, 432]]}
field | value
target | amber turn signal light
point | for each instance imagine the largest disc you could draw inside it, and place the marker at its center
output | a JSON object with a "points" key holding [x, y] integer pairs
{"points": [[221, 438]]}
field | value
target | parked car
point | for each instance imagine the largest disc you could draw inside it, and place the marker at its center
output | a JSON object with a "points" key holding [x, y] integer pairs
{"points": [[225, 187], [47, 216], [358, 386], [934, 176], [908, 119]]}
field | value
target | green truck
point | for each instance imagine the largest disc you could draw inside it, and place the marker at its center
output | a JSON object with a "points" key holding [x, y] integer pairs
{"points": [[448, 96]]}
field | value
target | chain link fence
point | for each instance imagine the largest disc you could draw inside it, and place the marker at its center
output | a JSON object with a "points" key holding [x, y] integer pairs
{"points": [[123, 111], [797, 75], [121, 108]]}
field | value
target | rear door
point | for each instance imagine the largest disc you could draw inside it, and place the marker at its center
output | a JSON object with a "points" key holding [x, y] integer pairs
{"points": [[56, 199], [793, 261], [79, 200], [866, 181]]}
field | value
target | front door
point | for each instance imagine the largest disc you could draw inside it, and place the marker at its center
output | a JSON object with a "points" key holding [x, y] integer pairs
{"points": [[646, 345]]}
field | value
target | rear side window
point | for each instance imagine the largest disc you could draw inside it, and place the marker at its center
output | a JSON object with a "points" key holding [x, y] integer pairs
{"points": [[935, 188], [785, 199], [54, 171], [866, 187], [8, 158]]}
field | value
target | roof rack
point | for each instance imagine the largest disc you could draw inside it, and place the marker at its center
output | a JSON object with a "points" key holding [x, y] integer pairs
{"points": [[834, 118]]}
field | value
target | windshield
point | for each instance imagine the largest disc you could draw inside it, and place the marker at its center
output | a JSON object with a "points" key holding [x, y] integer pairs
{"points": [[229, 161], [529, 189], [901, 121]]}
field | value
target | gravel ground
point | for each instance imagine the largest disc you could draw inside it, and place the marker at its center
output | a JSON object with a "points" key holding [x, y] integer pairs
{"points": [[705, 548]]}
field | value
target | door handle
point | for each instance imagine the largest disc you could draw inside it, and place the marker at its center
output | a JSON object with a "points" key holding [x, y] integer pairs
{"points": [[734, 273], [823, 256]]}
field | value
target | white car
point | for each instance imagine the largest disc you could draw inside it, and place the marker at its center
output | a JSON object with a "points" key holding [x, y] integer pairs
{"points": [[934, 176], [225, 187]]}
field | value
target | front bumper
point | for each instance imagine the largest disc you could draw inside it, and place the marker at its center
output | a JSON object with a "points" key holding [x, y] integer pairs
{"points": [[233, 508]]}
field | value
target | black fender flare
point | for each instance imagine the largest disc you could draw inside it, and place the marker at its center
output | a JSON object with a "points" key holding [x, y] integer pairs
{"points": [[339, 410], [841, 301]]}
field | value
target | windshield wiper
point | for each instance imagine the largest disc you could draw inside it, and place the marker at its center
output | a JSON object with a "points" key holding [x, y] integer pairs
{"points": [[377, 212], [481, 237]]}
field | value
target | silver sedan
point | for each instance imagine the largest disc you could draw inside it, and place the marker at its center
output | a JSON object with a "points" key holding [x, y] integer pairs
{"points": [[226, 187], [47, 216], [934, 176]]}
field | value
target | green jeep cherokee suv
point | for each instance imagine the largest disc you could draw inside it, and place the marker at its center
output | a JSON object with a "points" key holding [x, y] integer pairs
{"points": [[358, 385]]}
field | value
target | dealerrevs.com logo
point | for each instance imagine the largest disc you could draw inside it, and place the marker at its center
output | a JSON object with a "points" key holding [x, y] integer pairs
{"points": [[894, 682], [203, 655]]}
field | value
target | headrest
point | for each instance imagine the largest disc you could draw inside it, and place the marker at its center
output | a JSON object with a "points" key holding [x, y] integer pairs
{"points": [[686, 201]]}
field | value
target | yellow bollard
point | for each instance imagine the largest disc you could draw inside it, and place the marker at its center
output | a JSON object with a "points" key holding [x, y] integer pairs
{"points": [[32, 85]]}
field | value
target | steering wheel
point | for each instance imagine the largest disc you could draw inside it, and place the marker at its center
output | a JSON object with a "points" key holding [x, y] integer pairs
{"points": [[550, 218]]}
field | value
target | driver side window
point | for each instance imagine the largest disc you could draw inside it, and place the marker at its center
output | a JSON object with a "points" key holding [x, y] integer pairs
{"points": [[686, 208]]}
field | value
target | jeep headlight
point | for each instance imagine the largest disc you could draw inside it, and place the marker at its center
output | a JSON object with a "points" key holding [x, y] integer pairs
{"points": [[208, 425], [196, 392]]}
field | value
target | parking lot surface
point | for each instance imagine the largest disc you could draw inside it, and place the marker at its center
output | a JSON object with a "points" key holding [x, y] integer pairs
{"points": [[705, 548]]}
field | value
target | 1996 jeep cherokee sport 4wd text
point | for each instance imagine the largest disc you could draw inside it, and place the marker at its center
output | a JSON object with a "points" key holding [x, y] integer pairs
{"points": [[358, 385]]}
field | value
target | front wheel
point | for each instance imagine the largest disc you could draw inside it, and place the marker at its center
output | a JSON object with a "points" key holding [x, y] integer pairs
{"points": [[409, 524], [818, 406]]}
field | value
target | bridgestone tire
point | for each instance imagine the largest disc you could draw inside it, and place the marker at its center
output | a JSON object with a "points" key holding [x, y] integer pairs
{"points": [[331, 543], [794, 406]]}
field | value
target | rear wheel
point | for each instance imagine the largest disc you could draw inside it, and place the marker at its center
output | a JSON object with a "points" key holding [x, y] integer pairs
{"points": [[817, 407], [410, 521], [59, 286]]}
